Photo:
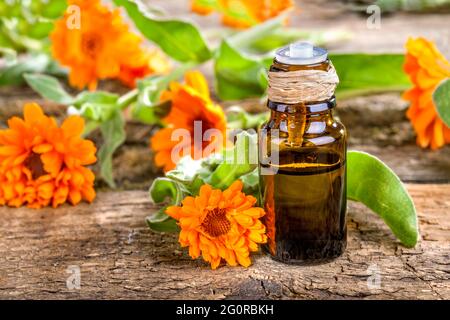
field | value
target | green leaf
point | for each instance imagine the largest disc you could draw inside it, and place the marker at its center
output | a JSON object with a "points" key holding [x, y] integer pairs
{"points": [[150, 89], [53, 9], [150, 114], [16, 31], [89, 127], [238, 118], [251, 182], [10, 55], [148, 108], [238, 76], [410, 5], [245, 39], [238, 161], [113, 133], [381, 72], [5, 41], [165, 190], [441, 98], [13, 74], [96, 107], [25, 25], [99, 112], [41, 29], [49, 88], [374, 184], [161, 222], [179, 39], [102, 97]]}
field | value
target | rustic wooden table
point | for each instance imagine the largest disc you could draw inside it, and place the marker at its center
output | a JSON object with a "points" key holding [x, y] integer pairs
{"points": [[119, 257]]}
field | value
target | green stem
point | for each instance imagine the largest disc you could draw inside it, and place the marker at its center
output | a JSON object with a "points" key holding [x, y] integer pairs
{"points": [[128, 98], [131, 96]]}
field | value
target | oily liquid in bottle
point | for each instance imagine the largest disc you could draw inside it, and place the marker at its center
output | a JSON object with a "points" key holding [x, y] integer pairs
{"points": [[308, 197], [304, 191]]}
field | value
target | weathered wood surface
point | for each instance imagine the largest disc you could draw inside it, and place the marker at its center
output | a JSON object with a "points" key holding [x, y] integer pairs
{"points": [[119, 257]]}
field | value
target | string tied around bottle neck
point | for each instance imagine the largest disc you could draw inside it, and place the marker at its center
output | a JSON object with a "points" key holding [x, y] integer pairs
{"points": [[299, 86]]}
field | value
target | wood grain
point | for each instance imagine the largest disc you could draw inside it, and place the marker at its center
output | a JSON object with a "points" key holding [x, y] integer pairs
{"points": [[119, 257]]}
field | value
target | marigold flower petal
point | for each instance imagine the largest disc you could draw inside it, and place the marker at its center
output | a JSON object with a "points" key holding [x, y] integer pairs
{"points": [[243, 13], [34, 170], [43, 148], [426, 68], [88, 193], [32, 113], [174, 212], [74, 197], [197, 81], [10, 150], [102, 46], [73, 126], [188, 201], [190, 102]]}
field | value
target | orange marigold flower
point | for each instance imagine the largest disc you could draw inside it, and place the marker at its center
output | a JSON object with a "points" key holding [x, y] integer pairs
{"points": [[426, 67], [149, 62], [242, 13], [220, 225], [100, 45], [43, 164], [190, 102]]}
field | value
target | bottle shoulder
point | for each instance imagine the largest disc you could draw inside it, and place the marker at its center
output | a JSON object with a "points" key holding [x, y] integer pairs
{"points": [[309, 127], [314, 132]]}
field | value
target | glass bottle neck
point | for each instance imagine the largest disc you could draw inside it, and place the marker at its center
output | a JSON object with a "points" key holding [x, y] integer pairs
{"points": [[303, 108]]}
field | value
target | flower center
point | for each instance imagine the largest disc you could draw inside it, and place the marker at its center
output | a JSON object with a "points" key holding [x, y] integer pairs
{"points": [[35, 165], [90, 44], [216, 223]]}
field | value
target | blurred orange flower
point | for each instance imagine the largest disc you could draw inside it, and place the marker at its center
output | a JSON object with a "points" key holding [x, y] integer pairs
{"points": [[43, 164], [220, 225], [100, 46], [190, 102], [426, 67], [149, 62], [242, 13]]}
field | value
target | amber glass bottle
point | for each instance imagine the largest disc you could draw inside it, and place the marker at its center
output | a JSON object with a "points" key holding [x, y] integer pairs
{"points": [[303, 189]]}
